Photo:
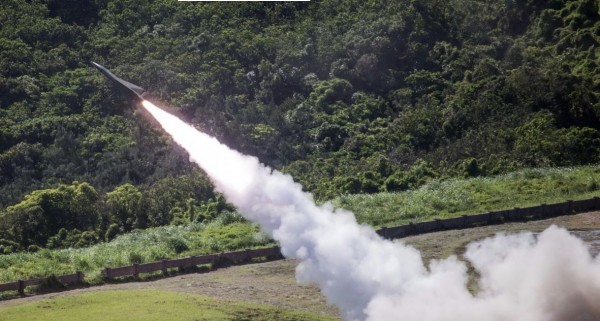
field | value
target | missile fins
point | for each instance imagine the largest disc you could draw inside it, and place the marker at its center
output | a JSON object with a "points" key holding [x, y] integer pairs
{"points": [[123, 84]]}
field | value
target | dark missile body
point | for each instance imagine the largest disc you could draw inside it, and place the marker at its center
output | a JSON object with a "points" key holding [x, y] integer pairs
{"points": [[136, 91], [125, 85]]}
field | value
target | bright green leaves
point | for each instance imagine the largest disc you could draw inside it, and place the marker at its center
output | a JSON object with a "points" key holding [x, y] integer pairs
{"points": [[42, 213], [125, 207], [112, 135], [541, 143], [328, 92]]}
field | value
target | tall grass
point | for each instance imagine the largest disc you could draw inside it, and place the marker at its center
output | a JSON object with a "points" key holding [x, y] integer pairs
{"points": [[228, 232], [455, 197]]}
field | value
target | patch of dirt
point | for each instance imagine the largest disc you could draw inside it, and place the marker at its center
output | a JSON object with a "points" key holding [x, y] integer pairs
{"points": [[274, 283], [270, 283]]}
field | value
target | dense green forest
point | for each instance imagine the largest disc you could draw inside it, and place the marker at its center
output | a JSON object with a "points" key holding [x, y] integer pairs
{"points": [[347, 96]]}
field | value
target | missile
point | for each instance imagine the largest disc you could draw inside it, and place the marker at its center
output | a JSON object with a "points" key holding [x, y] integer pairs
{"points": [[125, 85], [131, 89]]}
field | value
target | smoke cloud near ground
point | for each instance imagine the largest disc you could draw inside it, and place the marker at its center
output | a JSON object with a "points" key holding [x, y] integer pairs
{"points": [[545, 277]]}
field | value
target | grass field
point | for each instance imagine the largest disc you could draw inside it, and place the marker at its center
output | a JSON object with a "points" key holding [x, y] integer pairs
{"points": [[147, 305], [225, 234], [456, 197]]}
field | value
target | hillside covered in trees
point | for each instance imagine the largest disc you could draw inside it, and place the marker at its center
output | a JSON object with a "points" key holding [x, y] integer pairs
{"points": [[347, 96]]}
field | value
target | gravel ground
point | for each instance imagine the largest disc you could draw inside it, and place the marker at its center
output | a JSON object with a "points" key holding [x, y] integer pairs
{"points": [[274, 284]]}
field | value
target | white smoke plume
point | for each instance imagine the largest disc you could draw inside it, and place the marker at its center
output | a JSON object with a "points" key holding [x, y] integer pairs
{"points": [[548, 277]]}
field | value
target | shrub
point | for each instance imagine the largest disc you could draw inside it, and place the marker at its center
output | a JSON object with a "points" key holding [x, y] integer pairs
{"points": [[112, 231], [135, 257], [178, 245], [7, 247]]}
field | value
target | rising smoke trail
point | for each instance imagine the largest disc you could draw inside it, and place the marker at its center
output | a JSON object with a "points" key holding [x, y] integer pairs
{"points": [[548, 277]]}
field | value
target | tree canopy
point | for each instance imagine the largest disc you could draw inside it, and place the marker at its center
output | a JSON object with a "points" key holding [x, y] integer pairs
{"points": [[347, 96]]}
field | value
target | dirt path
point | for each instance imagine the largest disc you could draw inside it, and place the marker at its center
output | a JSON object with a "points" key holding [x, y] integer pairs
{"points": [[274, 284]]}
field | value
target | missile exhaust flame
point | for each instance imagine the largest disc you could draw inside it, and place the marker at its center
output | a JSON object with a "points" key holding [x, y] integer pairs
{"points": [[523, 277]]}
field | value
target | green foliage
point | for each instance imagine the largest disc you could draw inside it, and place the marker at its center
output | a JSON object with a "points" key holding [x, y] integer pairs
{"points": [[7, 246], [228, 231], [455, 197], [346, 96], [541, 143], [44, 213], [76, 216], [178, 200], [125, 207], [112, 232], [71, 239], [221, 238]]}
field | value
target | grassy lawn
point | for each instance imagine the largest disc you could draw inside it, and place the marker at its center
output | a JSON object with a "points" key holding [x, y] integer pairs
{"points": [[455, 197], [146, 305]]}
